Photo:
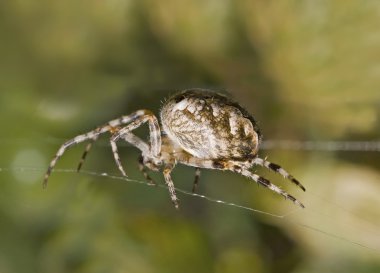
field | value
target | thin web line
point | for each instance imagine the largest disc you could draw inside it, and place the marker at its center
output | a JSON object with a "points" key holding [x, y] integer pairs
{"points": [[328, 145], [282, 144], [126, 179], [356, 215], [210, 199]]}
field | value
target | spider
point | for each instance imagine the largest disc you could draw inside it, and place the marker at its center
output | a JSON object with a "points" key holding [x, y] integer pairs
{"points": [[200, 128]]}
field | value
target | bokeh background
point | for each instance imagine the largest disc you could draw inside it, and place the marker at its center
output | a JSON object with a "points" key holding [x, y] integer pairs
{"points": [[307, 70]]}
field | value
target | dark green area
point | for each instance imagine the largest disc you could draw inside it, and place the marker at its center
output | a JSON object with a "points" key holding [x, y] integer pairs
{"points": [[305, 70]]}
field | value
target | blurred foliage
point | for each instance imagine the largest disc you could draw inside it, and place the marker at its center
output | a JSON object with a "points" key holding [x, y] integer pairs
{"points": [[307, 70]]}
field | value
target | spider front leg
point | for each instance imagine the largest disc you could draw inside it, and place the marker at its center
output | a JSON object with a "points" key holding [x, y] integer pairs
{"points": [[78, 139], [278, 169], [155, 138], [116, 155], [155, 135], [130, 138]]}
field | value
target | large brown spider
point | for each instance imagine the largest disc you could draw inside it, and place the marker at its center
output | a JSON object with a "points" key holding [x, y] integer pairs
{"points": [[200, 128]]}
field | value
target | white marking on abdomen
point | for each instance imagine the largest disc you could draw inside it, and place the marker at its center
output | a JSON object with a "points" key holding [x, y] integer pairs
{"points": [[233, 123], [191, 108], [181, 105]]}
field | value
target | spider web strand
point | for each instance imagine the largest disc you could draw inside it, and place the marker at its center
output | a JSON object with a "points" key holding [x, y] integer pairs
{"points": [[210, 199], [283, 144]]}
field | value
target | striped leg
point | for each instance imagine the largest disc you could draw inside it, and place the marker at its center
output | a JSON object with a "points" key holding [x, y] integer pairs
{"points": [[276, 168], [266, 183], [117, 157], [88, 148], [131, 138], [144, 172], [64, 147], [169, 182], [140, 118], [155, 137], [125, 133], [137, 142], [237, 168], [196, 179]]}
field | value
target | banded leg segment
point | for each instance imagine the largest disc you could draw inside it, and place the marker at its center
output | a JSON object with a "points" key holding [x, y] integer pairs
{"points": [[125, 133], [116, 156], [111, 129], [196, 179], [154, 130], [86, 151], [144, 172], [266, 183], [278, 169], [130, 138], [236, 167], [155, 138], [169, 182], [64, 147]]}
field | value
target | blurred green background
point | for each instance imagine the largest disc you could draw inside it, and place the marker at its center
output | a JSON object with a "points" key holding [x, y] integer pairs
{"points": [[307, 70]]}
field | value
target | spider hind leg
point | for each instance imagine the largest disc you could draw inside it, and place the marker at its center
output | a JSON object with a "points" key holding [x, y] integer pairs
{"points": [[266, 183], [243, 169], [278, 169]]}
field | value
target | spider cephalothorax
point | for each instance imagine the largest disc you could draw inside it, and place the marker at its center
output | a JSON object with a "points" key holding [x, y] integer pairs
{"points": [[200, 128]]}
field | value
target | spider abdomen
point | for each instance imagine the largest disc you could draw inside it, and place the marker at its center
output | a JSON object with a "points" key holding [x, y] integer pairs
{"points": [[209, 125]]}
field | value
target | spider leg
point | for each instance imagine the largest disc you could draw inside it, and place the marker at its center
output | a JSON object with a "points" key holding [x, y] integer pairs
{"points": [[139, 118], [237, 168], [196, 179], [137, 142], [134, 140], [64, 147], [131, 138], [125, 133], [117, 157], [155, 137], [278, 169], [266, 183], [87, 149], [144, 148], [144, 172], [169, 182]]}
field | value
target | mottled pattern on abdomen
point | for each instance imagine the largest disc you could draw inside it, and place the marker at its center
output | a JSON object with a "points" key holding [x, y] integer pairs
{"points": [[209, 125]]}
